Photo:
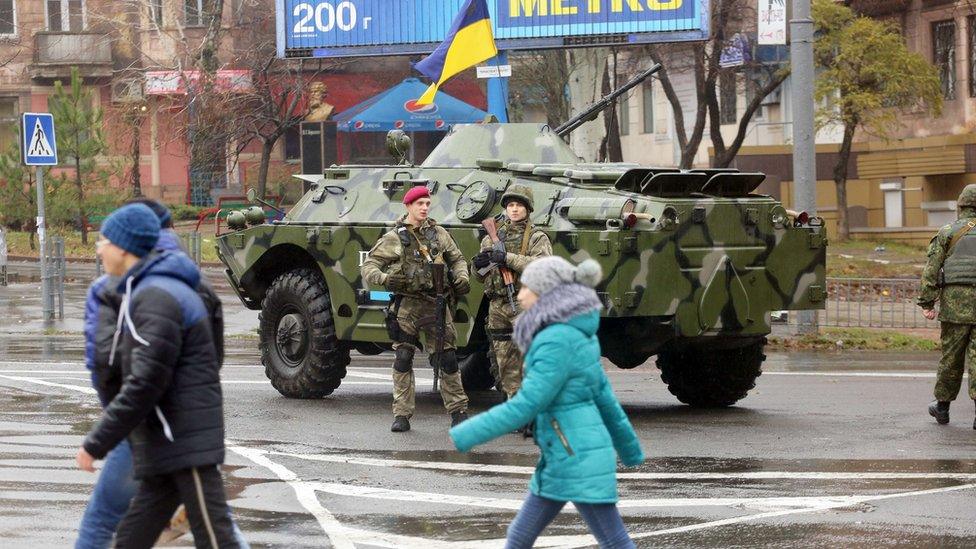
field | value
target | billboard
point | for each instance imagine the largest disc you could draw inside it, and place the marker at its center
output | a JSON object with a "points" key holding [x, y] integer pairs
{"points": [[350, 28]]}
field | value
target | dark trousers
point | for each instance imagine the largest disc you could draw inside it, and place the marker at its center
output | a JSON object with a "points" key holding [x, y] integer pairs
{"points": [[199, 489]]}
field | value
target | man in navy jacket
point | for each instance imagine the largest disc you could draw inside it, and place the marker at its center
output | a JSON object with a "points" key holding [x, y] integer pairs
{"points": [[170, 404]]}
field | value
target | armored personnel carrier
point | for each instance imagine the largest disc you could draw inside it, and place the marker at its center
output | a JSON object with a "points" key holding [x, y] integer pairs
{"points": [[694, 261]]}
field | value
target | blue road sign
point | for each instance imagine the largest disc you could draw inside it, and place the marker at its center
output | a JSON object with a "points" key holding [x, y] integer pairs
{"points": [[38, 146], [348, 28]]}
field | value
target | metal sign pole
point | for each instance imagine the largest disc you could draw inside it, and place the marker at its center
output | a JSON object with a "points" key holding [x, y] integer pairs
{"points": [[46, 304]]}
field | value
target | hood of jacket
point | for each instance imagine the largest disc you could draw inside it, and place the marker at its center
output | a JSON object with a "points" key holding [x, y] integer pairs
{"points": [[169, 241], [168, 263], [574, 304]]}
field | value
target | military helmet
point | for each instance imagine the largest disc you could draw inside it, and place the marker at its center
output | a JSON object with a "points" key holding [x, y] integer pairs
{"points": [[967, 198], [519, 192]]}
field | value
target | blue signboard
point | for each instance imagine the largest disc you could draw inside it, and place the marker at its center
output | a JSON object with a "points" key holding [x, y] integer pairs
{"points": [[348, 28], [37, 144]]}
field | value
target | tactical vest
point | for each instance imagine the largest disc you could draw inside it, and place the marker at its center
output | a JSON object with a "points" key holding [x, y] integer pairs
{"points": [[420, 248], [959, 267], [516, 242]]}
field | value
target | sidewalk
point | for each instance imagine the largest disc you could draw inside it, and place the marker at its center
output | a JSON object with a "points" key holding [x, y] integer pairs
{"points": [[21, 309]]}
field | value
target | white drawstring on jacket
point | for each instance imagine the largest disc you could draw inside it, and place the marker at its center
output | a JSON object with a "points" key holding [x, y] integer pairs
{"points": [[126, 318]]}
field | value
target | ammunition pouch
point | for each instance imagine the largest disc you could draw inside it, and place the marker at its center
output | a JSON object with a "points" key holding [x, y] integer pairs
{"points": [[390, 319], [397, 335]]}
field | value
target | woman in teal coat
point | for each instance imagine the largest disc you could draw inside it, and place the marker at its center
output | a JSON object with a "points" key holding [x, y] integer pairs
{"points": [[578, 424]]}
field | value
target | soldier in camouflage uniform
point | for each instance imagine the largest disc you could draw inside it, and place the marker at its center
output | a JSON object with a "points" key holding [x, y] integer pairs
{"points": [[950, 278], [401, 262], [523, 243]]}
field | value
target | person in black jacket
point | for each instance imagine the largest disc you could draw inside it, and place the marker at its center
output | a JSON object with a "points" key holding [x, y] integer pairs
{"points": [[115, 486], [170, 404]]}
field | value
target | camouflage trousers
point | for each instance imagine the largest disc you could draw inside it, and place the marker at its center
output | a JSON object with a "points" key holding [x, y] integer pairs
{"points": [[415, 318], [505, 357], [958, 346]]}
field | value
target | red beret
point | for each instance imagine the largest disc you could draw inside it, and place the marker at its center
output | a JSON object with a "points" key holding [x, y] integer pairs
{"points": [[420, 191]]}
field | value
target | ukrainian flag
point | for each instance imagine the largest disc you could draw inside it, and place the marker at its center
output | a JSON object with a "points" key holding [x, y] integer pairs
{"points": [[469, 42]]}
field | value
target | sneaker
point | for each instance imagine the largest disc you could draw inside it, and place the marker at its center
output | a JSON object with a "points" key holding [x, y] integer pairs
{"points": [[458, 417], [400, 424], [940, 411]]}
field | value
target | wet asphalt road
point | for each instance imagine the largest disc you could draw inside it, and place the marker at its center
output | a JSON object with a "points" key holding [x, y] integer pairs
{"points": [[829, 450]]}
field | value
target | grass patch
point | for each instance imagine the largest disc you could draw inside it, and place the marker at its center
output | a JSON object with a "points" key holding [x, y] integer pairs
{"points": [[862, 339], [859, 259]]}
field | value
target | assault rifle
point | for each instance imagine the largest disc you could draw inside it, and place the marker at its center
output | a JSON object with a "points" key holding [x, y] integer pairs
{"points": [[507, 277], [440, 317], [603, 104]]}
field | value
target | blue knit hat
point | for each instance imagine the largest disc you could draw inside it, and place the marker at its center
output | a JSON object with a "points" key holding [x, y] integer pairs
{"points": [[161, 211], [134, 228]]}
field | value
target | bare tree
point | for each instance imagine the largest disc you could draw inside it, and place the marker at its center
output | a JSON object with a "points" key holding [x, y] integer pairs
{"points": [[727, 18]]}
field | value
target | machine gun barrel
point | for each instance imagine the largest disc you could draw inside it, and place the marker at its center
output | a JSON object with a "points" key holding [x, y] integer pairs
{"points": [[603, 104]]}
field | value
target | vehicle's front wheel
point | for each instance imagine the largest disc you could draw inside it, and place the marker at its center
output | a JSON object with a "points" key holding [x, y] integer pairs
{"points": [[301, 354], [711, 376]]}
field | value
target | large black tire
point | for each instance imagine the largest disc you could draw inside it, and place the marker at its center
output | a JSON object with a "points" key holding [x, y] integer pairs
{"points": [[625, 358], [476, 370], [301, 354], [708, 376]]}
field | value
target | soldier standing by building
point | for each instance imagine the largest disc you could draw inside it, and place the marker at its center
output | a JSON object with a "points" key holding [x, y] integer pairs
{"points": [[523, 243], [402, 262], [950, 278]]}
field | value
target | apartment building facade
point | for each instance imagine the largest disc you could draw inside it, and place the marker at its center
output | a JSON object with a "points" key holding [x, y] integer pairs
{"points": [[138, 56], [901, 189]]}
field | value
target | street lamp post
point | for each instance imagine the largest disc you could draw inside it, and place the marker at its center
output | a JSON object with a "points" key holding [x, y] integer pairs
{"points": [[804, 136]]}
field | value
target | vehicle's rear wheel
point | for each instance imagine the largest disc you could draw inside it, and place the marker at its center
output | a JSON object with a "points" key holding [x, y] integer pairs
{"points": [[625, 358], [711, 376], [301, 354], [475, 369]]}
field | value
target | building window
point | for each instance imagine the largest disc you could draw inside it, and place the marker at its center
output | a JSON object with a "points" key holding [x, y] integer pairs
{"points": [[727, 98], [293, 143], [623, 120], [156, 13], [647, 105], [195, 11], [9, 121], [65, 15], [944, 54], [8, 19]]}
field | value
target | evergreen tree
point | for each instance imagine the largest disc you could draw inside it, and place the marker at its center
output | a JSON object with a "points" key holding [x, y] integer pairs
{"points": [[80, 139]]}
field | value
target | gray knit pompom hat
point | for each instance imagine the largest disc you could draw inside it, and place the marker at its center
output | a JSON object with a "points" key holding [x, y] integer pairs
{"points": [[546, 273]]}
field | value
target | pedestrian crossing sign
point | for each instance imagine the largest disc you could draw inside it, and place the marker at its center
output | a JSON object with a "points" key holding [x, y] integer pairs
{"points": [[38, 146]]}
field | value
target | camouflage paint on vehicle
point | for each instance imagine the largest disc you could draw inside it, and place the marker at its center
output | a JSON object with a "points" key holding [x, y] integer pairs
{"points": [[684, 254]]}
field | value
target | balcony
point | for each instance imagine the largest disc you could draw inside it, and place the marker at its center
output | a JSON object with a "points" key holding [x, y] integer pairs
{"points": [[878, 8], [56, 52]]}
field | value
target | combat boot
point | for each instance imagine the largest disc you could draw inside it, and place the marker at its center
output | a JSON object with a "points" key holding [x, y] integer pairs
{"points": [[940, 411], [400, 424], [458, 417]]}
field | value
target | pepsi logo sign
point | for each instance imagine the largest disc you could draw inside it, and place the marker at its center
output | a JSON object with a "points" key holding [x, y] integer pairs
{"points": [[398, 124], [412, 107], [439, 123], [359, 124]]}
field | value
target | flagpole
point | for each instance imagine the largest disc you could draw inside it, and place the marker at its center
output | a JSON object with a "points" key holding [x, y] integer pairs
{"points": [[498, 89]]}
